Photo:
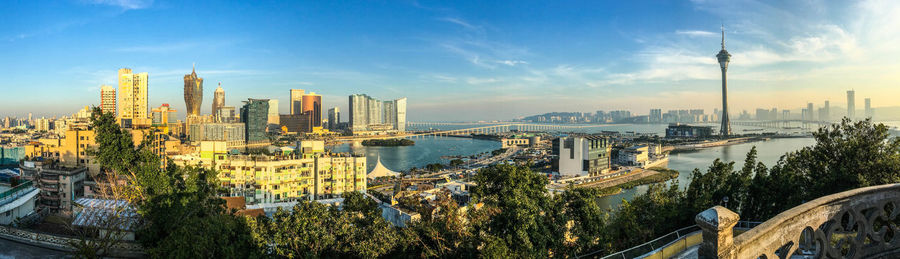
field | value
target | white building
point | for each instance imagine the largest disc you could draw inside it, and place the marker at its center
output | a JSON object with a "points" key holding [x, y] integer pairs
{"points": [[582, 156]]}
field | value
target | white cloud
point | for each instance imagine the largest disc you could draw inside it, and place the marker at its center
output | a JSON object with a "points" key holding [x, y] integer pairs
{"points": [[124, 4], [696, 33]]}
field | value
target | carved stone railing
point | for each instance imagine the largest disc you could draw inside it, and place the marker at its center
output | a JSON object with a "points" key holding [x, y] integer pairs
{"points": [[860, 223]]}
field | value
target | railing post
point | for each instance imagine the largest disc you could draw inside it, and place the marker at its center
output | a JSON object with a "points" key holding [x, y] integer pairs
{"points": [[717, 224]]}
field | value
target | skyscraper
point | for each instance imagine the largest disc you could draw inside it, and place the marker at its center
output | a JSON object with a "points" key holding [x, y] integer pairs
{"points": [[312, 103], [851, 104], [273, 120], [218, 102], [255, 116], [193, 93], [108, 99], [369, 114], [809, 107], [826, 116], [296, 101], [655, 115], [132, 104], [334, 118], [724, 58], [869, 112]]}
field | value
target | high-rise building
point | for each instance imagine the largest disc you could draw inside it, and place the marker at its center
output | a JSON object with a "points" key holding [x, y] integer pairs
{"points": [[108, 99], [233, 134], [400, 118], [655, 115], [193, 93], [312, 103], [218, 102], [851, 104], [132, 104], [226, 114], [273, 119], [334, 118], [809, 108], [826, 113], [869, 111], [370, 115], [255, 116], [296, 101], [163, 115], [724, 58]]}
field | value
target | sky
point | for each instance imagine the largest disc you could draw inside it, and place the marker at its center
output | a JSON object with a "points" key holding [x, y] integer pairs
{"points": [[455, 60]]}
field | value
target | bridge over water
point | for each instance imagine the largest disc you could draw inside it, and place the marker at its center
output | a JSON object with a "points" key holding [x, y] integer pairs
{"points": [[477, 128]]}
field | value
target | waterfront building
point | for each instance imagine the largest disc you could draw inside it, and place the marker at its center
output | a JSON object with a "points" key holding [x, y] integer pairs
{"points": [[381, 171], [296, 101], [108, 99], [133, 92], [724, 57], [851, 104], [232, 134], [59, 185], [826, 116], [677, 130], [193, 93], [514, 142], [655, 115], [219, 102], [255, 116], [334, 118], [868, 108], [581, 156], [371, 116], [637, 155]]}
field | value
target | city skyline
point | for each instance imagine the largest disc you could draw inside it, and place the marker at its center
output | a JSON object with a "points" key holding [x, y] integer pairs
{"points": [[494, 61]]}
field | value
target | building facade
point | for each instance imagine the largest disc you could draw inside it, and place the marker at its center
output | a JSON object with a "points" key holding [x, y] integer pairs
{"points": [[193, 93], [677, 130], [851, 104], [59, 185], [163, 115], [312, 103], [371, 116], [334, 118], [296, 101], [581, 156], [108, 99], [133, 92], [219, 102], [233, 134], [255, 116]]}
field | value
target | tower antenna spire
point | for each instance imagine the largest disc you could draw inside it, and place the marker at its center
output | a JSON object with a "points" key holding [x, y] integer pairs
{"points": [[723, 35]]}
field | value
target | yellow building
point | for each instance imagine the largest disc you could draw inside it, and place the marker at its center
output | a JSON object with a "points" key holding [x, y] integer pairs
{"points": [[268, 179], [133, 97]]}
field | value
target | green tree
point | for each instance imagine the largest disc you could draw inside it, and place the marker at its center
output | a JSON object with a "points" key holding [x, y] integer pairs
{"points": [[518, 207]]}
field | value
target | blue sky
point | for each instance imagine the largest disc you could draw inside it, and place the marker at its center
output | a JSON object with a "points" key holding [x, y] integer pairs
{"points": [[478, 60]]}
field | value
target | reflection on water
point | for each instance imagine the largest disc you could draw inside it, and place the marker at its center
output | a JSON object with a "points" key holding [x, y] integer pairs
{"points": [[427, 150], [768, 152]]}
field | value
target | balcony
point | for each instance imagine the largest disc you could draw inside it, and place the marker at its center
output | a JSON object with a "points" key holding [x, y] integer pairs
{"points": [[860, 223]]}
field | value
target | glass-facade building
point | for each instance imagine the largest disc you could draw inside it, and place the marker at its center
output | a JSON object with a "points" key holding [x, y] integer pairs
{"points": [[255, 116]]}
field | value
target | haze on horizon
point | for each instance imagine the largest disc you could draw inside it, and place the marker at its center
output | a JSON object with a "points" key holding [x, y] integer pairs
{"points": [[456, 61]]}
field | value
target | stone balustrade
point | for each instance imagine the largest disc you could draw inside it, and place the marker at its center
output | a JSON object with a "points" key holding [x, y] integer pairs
{"points": [[860, 223]]}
